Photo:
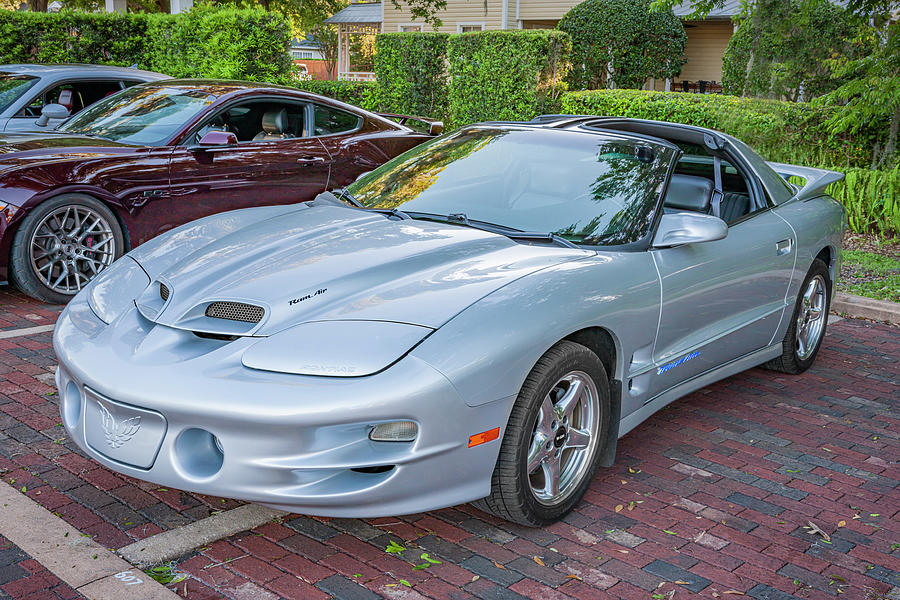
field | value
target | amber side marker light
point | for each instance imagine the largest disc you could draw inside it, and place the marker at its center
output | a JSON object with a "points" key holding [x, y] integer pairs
{"points": [[484, 437]]}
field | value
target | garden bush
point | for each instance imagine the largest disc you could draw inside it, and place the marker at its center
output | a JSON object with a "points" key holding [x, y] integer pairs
{"points": [[624, 39], [357, 93], [872, 200], [792, 132], [498, 75], [208, 41], [411, 73]]}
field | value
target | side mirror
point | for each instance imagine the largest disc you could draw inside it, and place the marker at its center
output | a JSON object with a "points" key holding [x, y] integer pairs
{"points": [[678, 229], [217, 138], [52, 111], [436, 128]]}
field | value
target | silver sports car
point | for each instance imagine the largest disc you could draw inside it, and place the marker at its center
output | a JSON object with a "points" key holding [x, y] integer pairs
{"points": [[480, 319]]}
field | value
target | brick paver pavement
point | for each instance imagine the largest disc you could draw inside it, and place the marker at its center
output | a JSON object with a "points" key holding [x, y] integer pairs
{"points": [[711, 497]]}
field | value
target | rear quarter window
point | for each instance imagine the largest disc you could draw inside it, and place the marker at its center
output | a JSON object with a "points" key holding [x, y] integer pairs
{"points": [[329, 121]]}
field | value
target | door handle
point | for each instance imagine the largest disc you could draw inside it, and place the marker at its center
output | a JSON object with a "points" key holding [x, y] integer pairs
{"points": [[783, 247], [310, 160]]}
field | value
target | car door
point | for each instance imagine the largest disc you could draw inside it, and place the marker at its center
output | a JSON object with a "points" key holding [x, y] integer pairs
{"points": [[261, 169], [724, 299], [353, 142]]}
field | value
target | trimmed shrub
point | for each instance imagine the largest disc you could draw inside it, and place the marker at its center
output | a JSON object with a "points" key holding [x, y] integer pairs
{"points": [[626, 38], [208, 41], [70, 37], [223, 43], [411, 73], [500, 75], [357, 93], [792, 132]]}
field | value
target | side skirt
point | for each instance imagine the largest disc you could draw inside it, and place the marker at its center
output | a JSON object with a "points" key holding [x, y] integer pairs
{"points": [[748, 361]]}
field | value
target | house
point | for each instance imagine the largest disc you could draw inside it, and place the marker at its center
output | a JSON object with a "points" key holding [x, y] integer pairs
{"points": [[706, 39], [309, 59]]}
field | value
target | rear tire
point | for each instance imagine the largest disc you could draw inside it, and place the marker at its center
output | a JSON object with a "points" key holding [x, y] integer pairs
{"points": [[804, 336], [62, 244], [553, 440]]}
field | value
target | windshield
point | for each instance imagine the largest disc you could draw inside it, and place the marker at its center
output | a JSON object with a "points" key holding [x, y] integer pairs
{"points": [[12, 87], [589, 189], [146, 116]]}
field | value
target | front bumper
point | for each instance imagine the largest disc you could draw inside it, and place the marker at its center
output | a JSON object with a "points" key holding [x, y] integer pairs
{"points": [[210, 425]]}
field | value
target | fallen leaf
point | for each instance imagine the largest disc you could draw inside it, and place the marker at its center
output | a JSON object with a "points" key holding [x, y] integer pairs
{"points": [[716, 594], [538, 560], [476, 577], [619, 508], [499, 566], [842, 523], [682, 582], [813, 529], [735, 592], [573, 576], [624, 482], [624, 551]]}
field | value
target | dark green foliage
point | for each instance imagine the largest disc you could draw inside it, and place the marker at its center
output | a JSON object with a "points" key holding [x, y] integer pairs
{"points": [[72, 37], [205, 42], [497, 75], [781, 47], [793, 132], [639, 43], [352, 92], [411, 73]]}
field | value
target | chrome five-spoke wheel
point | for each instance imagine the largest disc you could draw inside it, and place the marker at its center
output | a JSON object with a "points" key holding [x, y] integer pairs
{"points": [[564, 438], [811, 320], [555, 437]]}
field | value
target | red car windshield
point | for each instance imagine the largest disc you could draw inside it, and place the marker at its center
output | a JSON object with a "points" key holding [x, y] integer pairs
{"points": [[12, 87], [140, 115]]}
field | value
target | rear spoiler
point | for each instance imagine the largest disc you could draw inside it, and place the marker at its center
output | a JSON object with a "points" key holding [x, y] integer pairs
{"points": [[815, 180], [432, 126]]}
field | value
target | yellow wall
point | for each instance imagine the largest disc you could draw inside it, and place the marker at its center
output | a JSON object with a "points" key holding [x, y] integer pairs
{"points": [[706, 45]]}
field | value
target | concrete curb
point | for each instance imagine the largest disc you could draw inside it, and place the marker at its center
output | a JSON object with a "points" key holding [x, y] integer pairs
{"points": [[177, 542], [861, 307]]}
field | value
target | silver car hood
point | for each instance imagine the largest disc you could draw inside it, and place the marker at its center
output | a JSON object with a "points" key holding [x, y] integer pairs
{"points": [[308, 263]]}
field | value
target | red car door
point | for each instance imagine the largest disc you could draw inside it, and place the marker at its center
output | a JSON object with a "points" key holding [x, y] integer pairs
{"points": [[274, 162]]}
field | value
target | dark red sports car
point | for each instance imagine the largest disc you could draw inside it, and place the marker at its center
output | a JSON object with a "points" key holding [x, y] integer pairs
{"points": [[160, 154]]}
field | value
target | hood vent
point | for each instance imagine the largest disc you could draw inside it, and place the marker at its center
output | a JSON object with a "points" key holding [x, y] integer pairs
{"points": [[164, 292], [235, 311]]}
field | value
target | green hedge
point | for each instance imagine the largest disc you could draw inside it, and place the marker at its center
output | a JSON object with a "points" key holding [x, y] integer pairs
{"points": [[357, 93], [208, 41], [792, 132], [498, 75], [411, 73]]}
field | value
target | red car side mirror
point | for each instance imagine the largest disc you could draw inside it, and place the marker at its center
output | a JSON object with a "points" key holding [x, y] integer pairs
{"points": [[217, 138], [436, 128]]}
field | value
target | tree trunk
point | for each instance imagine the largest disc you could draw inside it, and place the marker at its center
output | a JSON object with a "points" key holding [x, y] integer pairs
{"points": [[890, 146], [37, 5]]}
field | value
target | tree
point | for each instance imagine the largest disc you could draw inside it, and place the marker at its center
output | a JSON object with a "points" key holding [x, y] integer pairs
{"points": [[869, 96], [622, 43], [781, 47]]}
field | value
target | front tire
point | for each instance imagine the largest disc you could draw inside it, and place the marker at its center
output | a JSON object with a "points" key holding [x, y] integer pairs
{"points": [[62, 244], [804, 336], [553, 440]]}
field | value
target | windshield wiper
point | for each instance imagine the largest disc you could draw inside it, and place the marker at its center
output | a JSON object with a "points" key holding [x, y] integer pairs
{"points": [[343, 193], [513, 234]]}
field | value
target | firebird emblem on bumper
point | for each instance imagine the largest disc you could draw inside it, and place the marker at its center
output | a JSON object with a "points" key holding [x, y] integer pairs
{"points": [[118, 432]]}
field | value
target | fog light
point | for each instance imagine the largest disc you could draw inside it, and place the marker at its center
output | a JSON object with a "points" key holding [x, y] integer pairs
{"points": [[396, 431]]}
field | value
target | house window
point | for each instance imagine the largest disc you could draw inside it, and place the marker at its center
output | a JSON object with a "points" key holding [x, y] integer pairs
{"points": [[301, 54], [408, 27], [469, 27]]}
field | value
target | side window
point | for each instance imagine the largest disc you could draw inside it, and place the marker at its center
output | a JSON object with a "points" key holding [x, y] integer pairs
{"points": [[74, 96], [258, 121], [736, 201], [332, 120]]}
